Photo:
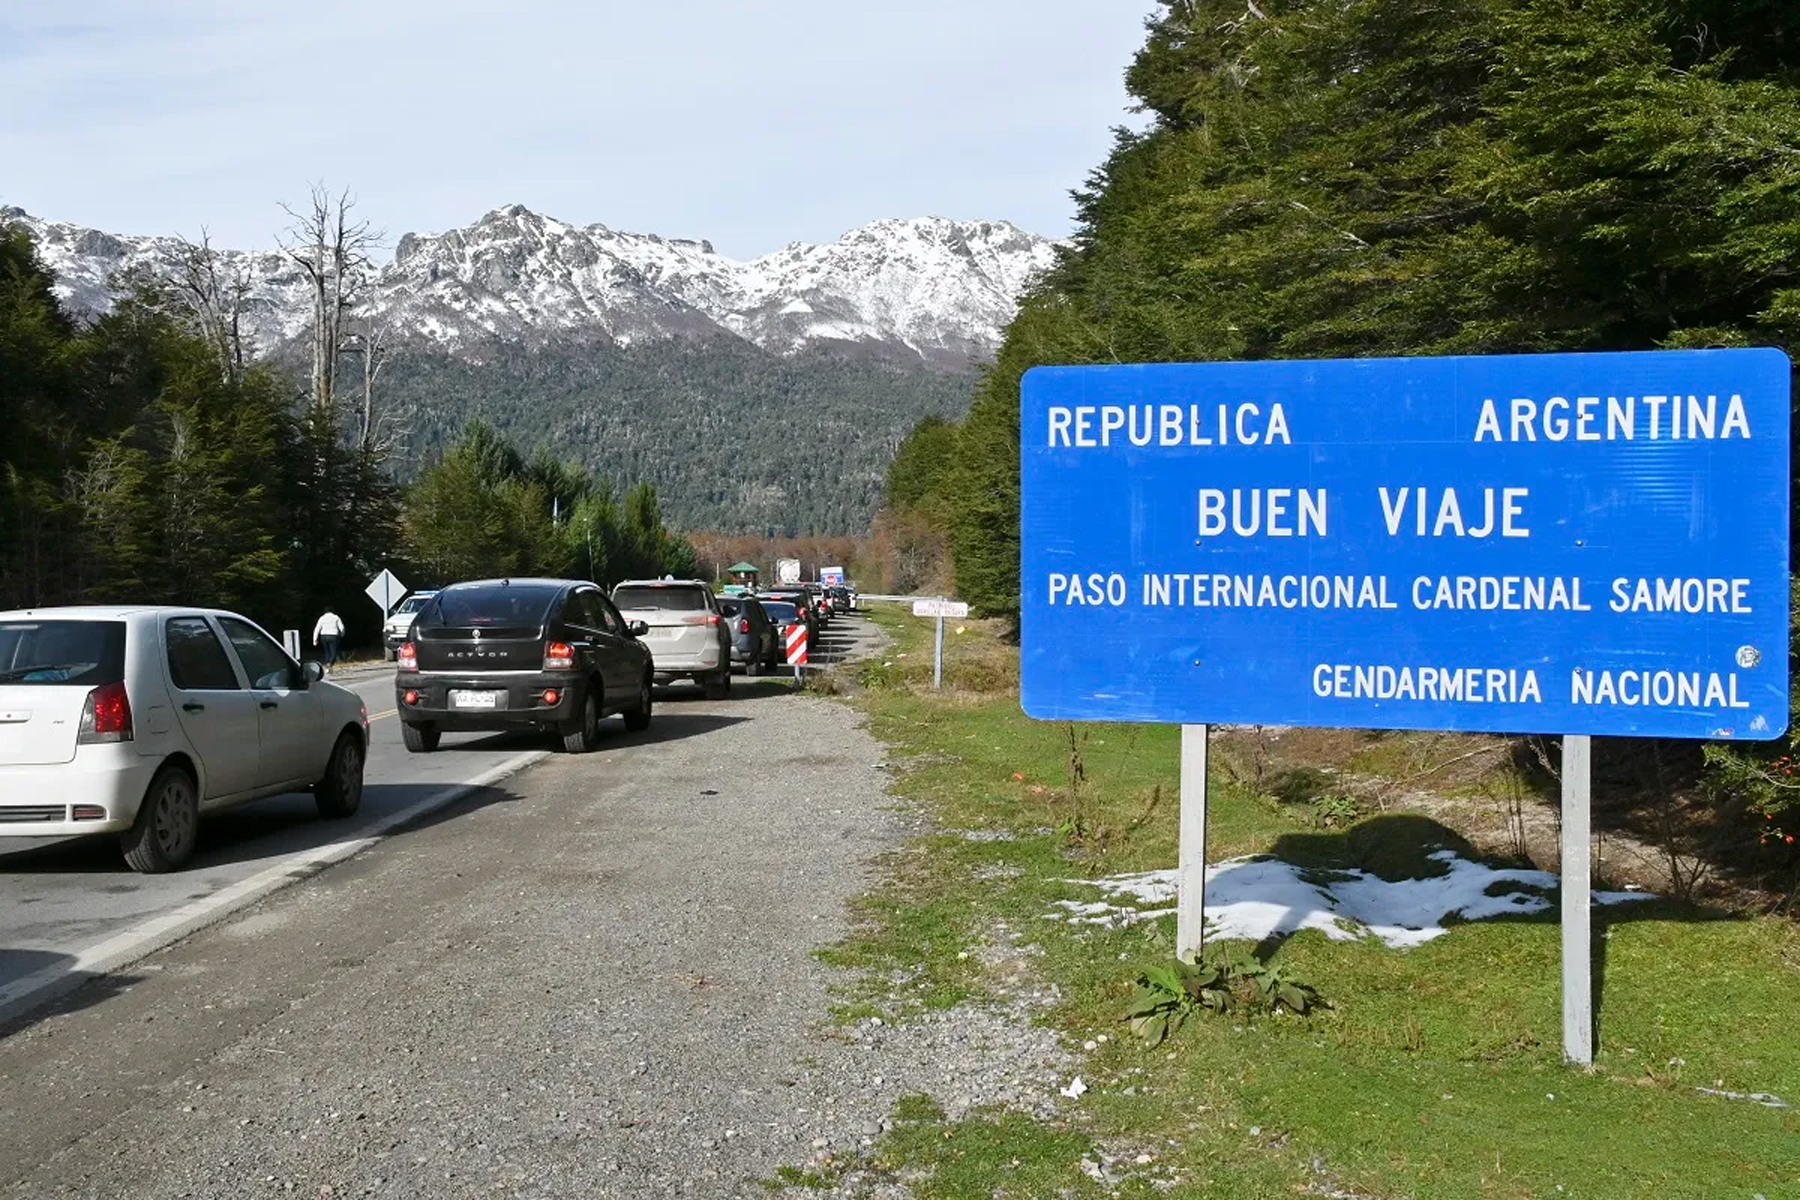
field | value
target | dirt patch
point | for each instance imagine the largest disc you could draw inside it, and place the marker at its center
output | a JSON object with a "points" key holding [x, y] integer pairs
{"points": [[1653, 827]]}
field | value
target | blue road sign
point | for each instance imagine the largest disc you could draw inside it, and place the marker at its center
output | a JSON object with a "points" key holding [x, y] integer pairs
{"points": [[1558, 543]]}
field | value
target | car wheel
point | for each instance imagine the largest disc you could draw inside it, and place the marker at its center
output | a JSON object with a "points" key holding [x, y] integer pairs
{"points": [[167, 826], [718, 686], [752, 667], [638, 719], [582, 735], [420, 739], [339, 794]]}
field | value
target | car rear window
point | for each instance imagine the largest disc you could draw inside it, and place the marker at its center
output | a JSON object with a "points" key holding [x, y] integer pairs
{"points": [[70, 653], [731, 608], [780, 612], [672, 598], [511, 605]]}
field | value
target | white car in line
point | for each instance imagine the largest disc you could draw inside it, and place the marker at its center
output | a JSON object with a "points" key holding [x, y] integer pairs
{"points": [[397, 629], [139, 720]]}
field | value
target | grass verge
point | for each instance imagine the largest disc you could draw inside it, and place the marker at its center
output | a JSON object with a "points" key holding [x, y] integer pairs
{"points": [[1437, 1071]]}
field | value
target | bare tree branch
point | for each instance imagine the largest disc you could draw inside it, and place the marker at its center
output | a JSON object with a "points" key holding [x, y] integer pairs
{"points": [[212, 295], [332, 249]]}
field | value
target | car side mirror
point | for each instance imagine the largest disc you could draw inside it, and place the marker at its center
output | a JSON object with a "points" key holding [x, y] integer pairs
{"points": [[639, 628], [312, 672]]}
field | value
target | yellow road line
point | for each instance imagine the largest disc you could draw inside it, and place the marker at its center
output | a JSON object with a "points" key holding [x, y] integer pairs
{"points": [[374, 717]]}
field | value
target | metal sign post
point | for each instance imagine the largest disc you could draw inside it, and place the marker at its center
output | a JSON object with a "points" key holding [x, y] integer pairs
{"points": [[937, 656], [1190, 875], [1577, 903], [1565, 544]]}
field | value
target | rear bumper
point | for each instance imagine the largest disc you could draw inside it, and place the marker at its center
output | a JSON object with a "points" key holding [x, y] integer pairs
{"points": [[519, 699], [686, 662], [38, 802]]}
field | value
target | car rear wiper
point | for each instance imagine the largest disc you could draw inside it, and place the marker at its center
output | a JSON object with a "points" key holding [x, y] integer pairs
{"points": [[21, 672]]}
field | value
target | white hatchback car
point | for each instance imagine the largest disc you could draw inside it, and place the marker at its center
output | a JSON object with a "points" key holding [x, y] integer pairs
{"points": [[138, 720]]}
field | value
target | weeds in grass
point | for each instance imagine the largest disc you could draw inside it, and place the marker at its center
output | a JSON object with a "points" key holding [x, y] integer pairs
{"points": [[1517, 835], [1170, 993], [1432, 1062], [1149, 813], [1336, 811], [1074, 826]]}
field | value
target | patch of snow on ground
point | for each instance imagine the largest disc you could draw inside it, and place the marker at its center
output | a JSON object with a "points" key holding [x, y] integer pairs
{"points": [[1258, 897]]}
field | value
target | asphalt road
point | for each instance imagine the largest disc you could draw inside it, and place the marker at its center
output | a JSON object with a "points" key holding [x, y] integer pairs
{"points": [[71, 910], [70, 906], [595, 978]]}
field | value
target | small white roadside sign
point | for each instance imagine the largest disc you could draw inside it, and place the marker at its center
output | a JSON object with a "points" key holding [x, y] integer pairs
{"points": [[787, 570], [386, 590]]}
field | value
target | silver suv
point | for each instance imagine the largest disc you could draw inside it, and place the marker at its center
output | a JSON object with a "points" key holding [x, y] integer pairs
{"points": [[687, 636]]}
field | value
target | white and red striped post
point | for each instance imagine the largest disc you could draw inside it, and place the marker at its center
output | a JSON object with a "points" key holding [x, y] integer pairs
{"points": [[796, 647]]}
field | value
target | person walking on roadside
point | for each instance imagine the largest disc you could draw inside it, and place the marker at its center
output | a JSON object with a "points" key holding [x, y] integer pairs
{"points": [[328, 635]]}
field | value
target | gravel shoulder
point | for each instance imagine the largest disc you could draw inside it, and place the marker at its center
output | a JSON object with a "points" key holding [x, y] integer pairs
{"points": [[595, 979]]}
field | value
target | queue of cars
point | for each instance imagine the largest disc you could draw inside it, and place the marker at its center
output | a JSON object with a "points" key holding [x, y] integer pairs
{"points": [[138, 720], [559, 656]]}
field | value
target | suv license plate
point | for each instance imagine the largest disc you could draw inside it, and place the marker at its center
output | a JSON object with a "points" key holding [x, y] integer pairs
{"points": [[459, 699]]}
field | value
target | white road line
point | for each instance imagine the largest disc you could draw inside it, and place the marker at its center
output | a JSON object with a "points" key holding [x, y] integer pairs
{"points": [[121, 949]]}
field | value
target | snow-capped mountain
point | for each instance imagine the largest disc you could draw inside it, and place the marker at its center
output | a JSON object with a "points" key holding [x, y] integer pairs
{"points": [[939, 289]]}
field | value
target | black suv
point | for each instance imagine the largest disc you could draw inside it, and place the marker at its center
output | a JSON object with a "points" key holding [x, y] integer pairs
{"points": [[550, 654]]}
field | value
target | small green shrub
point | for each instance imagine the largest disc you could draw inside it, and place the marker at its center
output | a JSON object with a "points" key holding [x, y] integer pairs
{"points": [[1336, 811], [1168, 994]]}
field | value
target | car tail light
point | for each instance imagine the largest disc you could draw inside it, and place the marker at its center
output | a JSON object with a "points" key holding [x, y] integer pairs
{"points": [[551, 696], [89, 812], [743, 625], [106, 717], [409, 657], [702, 619], [559, 656], [412, 697]]}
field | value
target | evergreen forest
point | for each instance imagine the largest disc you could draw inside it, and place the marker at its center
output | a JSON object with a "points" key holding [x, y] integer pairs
{"points": [[733, 437], [1321, 179]]}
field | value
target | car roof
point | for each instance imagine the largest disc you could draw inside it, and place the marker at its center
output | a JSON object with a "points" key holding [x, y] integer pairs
{"points": [[518, 582], [663, 583], [106, 612]]}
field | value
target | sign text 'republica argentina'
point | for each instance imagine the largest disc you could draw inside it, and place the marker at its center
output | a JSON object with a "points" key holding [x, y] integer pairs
{"points": [[1560, 543]]}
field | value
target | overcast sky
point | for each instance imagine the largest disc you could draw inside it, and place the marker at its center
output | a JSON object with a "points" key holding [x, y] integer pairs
{"points": [[750, 123]]}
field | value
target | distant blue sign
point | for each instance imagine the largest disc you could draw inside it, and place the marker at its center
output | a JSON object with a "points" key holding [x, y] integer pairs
{"points": [[1559, 543]]}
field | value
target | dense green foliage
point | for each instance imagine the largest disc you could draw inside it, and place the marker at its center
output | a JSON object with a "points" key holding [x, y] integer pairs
{"points": [[1383, 177], [734, 438], [1320, 178], [920, 475], [484, 511], [135, 466], [907, 549]]}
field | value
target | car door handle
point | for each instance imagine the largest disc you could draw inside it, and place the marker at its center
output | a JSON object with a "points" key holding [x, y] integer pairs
{"points": [[192, 707], [271, 704]]}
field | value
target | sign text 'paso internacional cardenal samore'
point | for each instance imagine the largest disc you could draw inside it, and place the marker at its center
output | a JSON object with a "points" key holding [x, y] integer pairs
{"points": [[1559, 543]]}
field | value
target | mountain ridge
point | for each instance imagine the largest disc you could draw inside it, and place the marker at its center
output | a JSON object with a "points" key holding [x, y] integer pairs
{"points": [[927, 288]]}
